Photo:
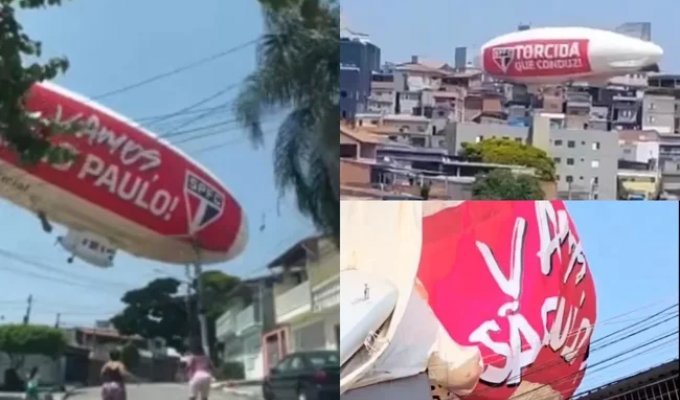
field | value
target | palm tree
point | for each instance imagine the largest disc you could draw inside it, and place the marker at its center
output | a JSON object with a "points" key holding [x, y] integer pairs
{"points": [[298, 59]]}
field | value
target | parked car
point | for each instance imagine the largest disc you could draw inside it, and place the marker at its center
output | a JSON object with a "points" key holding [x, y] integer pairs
{"points": [[311, 375]]}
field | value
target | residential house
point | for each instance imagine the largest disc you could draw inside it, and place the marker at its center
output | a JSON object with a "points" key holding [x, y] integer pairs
{"points": [[306, 297], [239, 330]]}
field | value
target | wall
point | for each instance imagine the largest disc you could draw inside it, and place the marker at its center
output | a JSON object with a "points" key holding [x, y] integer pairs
{"points": [[354, 172], [50, 370], [331, 326], [658, 113], [588, 162]]}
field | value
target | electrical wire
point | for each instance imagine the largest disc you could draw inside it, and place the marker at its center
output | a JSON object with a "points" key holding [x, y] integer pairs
{"points": [[599, 343], [596, 348], [620, 354], [178, 70], [44, 267]]}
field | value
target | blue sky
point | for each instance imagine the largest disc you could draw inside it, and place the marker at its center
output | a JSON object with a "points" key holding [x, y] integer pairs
{"points": [[109, 46], [632, 249], [433, 29]]}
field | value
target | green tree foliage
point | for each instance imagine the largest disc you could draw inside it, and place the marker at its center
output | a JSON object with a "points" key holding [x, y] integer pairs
{"points": [[502, 184], [130, 355], [156, 310], [26, 133], [297, 72], [20, 340], [510, 152], [159, 309]]}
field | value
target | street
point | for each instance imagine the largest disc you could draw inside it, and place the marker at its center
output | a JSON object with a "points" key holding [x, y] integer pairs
{"points": [[167, 391]]}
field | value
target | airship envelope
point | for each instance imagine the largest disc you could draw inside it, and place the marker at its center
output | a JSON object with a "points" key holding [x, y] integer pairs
{"points": [[495, 299]]}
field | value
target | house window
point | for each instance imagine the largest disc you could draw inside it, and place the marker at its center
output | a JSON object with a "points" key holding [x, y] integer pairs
{"points": [[595, 164], [519, 140], [571, 144], [569, 179], [652, 106], [651, 119], [596, 180], [596, 145], [479, 139], [570, 161], [558, 143], [557, 160], [580, 178], [343, 94]]}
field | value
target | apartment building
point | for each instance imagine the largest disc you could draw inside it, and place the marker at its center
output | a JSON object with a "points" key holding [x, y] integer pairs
{"points": [[586, 163], [359, 58], [659, 112]]}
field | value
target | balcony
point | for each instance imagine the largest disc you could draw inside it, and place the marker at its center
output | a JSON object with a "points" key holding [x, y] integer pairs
{"points": [[236, 322], [326, 295], [293, 303], [246, 319]]}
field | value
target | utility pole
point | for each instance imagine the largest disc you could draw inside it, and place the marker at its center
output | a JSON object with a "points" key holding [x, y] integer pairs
{"points": [[56, 324], [190, 312], [27, 317], [202, 318]]}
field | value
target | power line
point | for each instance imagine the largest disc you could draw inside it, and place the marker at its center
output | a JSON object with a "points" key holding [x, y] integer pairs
{"points": [[199, 103], [547, 366], [20, 258], [178, 70], [153, 118], [600, 341], [620, 354]]}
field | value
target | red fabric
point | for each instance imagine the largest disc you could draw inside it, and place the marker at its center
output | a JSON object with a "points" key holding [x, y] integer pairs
{"points": [[464, 294]]}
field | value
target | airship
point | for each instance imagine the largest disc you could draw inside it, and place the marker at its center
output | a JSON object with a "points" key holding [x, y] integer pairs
{"points": [[126, 189], [492, 300], [554, 55]]}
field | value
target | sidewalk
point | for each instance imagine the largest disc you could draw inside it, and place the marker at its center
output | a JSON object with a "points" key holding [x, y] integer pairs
{"points": [[56, 396], [239, 388]]}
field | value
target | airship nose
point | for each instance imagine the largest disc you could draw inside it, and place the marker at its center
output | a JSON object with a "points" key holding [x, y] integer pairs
{"points": [[654, 52]]}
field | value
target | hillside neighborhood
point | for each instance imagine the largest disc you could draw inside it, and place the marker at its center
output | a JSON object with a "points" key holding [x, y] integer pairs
{"points": [[405, 125]]}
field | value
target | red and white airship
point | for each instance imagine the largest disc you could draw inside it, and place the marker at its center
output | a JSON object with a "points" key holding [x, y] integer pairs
{"points": [[127, 189], [563, 55]]}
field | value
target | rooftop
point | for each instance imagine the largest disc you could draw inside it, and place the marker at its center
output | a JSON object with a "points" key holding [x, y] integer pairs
{"points": [[360, 134]]}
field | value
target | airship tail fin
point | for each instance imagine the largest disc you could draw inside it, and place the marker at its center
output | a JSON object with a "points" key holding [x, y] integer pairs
{"points": [[651, 68]]}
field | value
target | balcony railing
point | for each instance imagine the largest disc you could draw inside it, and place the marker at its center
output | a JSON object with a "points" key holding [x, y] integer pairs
{"points": [[326, 295], [294, 302], [246, 319], [234, 323]]}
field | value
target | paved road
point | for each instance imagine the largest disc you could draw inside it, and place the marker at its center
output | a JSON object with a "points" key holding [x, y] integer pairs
{"points": [[165, 392]]}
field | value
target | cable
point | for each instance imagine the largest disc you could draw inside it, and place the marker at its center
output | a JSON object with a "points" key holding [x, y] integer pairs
{"points": [[594, 343], [623, 353], [20, 258], [597, 341], [199, 103], [153, 118], [179, 69]]}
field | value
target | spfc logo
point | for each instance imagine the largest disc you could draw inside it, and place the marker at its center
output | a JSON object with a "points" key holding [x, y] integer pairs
{"points": [[204, 203], [503, 57]]}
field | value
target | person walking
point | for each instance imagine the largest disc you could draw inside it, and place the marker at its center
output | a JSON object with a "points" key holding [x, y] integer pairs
{"points": [[113, 376], [200, 376]]}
